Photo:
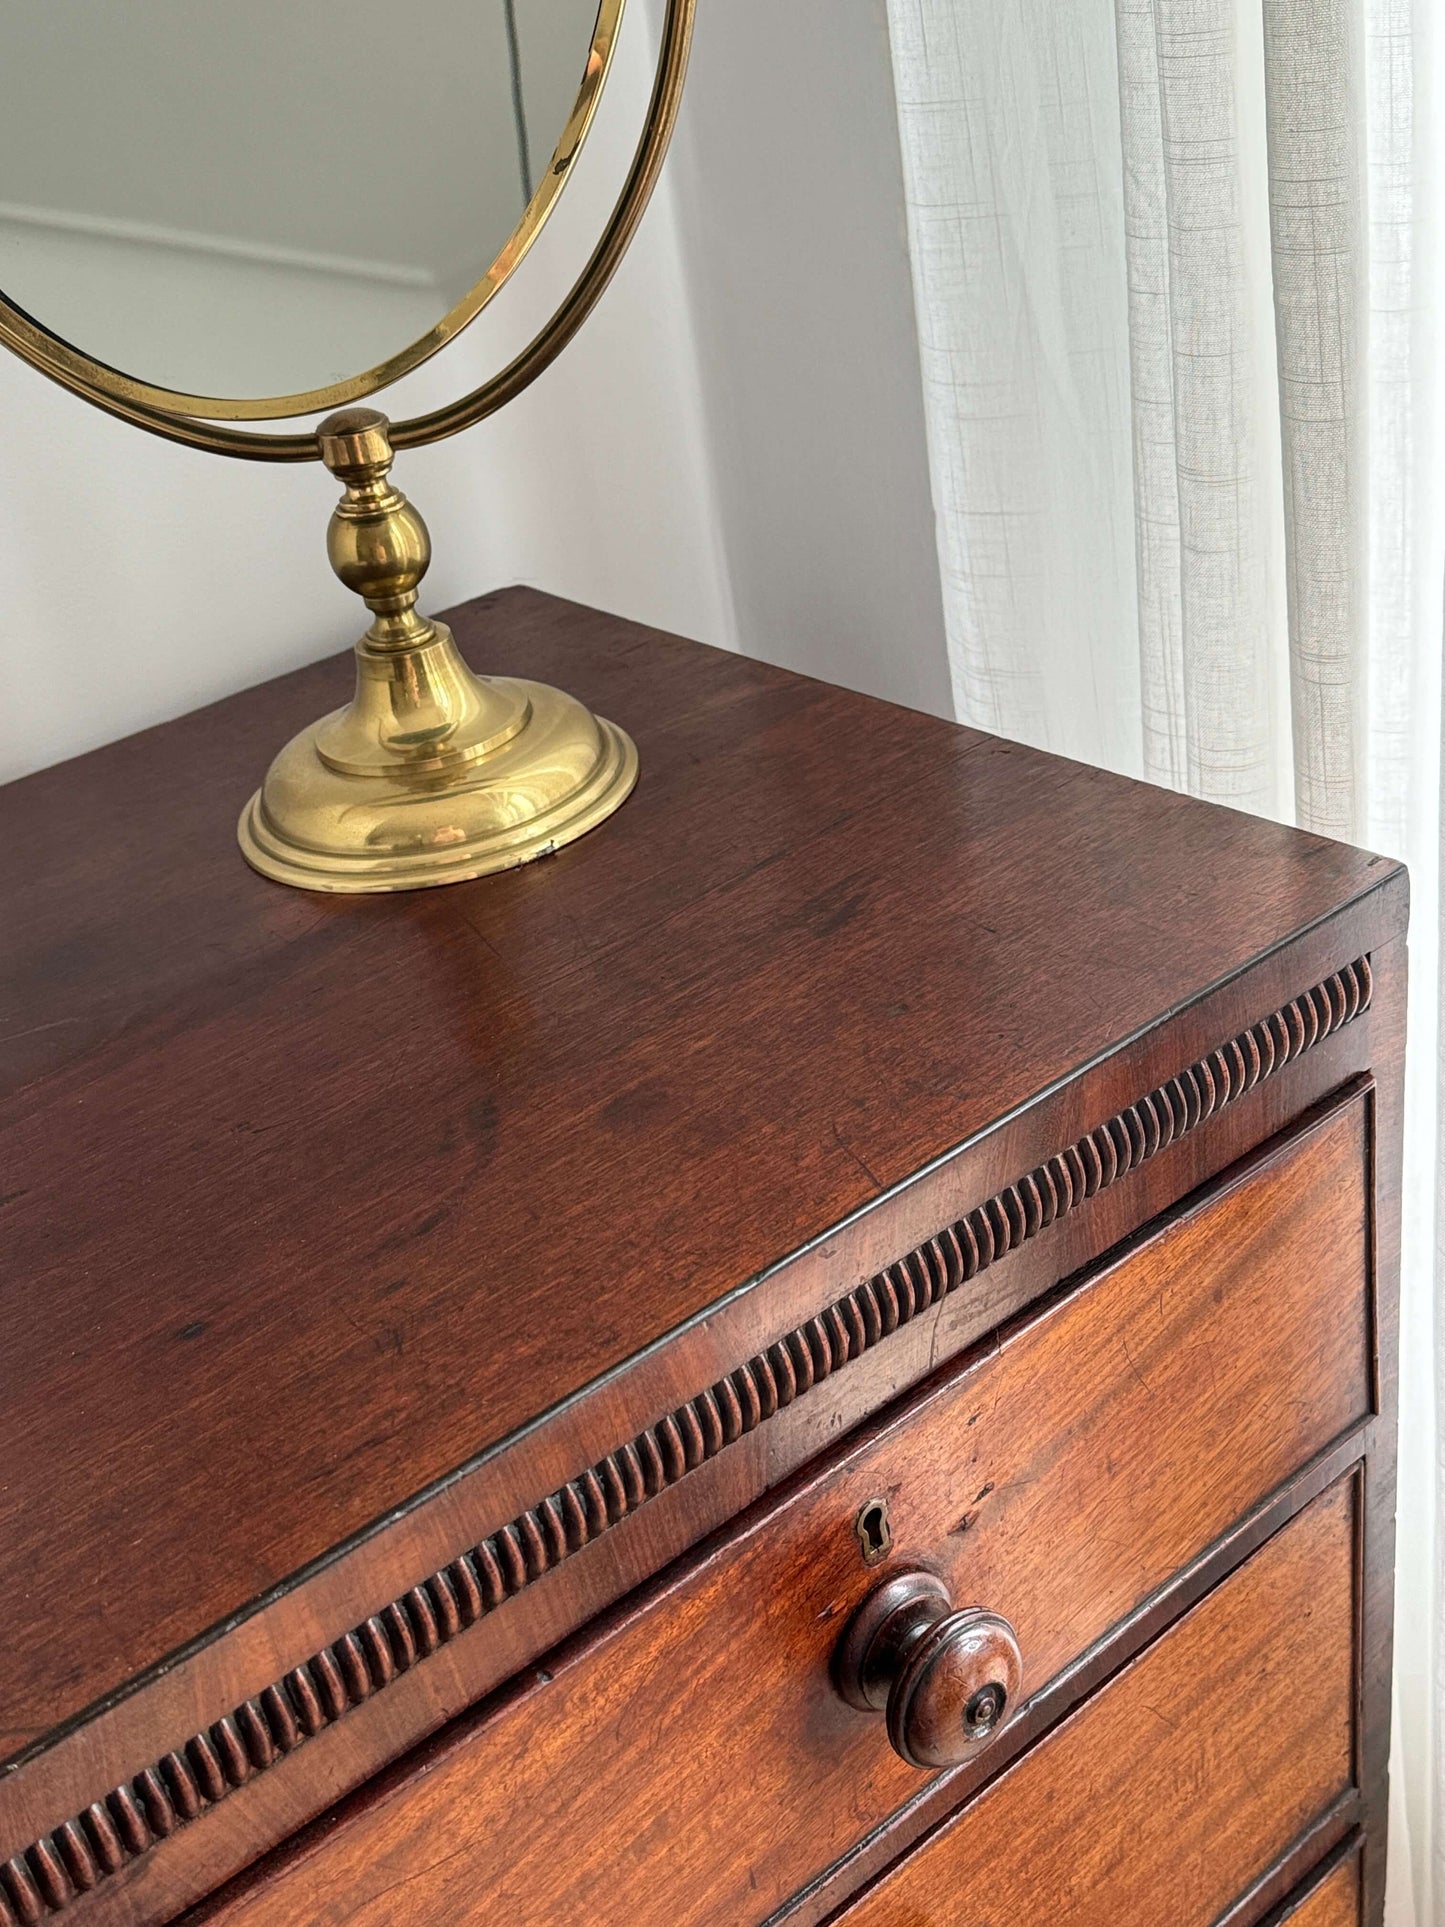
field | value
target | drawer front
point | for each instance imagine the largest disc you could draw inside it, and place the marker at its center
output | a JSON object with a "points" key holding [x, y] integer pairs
{"points": [[1332, 1902], [1182, 1781], [691, 1761]]}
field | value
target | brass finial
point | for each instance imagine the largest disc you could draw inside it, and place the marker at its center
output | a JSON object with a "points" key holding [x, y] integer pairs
{"points": [[377, 542]]}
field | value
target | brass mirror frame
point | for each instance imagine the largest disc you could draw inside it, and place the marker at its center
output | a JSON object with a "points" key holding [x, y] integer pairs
{"points": [[198, 421]]}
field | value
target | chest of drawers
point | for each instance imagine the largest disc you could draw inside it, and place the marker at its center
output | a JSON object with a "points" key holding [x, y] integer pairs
{"points": [[825, 1354]]}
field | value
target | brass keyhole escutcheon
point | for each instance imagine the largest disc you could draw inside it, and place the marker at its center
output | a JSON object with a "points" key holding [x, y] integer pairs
{"points": [[875, 1535]]}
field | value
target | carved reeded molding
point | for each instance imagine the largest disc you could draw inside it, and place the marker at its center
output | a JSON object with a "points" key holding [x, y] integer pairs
{"points": [[148, 1808]]}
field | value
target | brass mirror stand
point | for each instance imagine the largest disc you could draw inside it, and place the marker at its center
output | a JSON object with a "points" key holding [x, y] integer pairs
{"points": [[432, 774]]}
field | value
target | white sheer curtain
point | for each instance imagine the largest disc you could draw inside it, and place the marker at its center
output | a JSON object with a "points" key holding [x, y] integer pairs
{"points": [[1176, 274]]}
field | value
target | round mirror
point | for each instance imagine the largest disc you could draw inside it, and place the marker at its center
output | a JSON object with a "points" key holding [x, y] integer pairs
{"points": [[264, 210]]}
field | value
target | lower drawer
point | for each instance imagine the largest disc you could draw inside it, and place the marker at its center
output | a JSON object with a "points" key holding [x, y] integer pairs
{"points": [[1333, 1901], [1183, 1781]]}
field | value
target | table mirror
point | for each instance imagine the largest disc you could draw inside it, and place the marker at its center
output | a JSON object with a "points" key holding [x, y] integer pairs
{"points": [[215, 217]]}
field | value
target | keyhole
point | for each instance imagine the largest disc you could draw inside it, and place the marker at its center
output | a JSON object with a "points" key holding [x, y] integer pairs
{"points": [[874, 1533]]}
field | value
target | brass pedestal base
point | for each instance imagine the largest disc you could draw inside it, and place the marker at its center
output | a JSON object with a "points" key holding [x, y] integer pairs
{"points": [[432, 774], [562, 773]]}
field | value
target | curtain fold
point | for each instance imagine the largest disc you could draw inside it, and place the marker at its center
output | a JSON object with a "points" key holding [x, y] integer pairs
{"points": [[1177, 283], [1202, 528], [1314, 94], [1010, 123]]}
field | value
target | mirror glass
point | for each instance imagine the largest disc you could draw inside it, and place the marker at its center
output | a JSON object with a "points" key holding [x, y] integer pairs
{"points": [[264, 199]]}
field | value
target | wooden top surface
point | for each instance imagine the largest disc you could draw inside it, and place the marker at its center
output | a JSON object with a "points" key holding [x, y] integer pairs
{"points": [[306, 1201]]}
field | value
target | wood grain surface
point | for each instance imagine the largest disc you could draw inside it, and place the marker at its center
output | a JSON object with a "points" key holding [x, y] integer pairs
{"points": [[1333, 1902], [1060, 1480], [1238, 1732]]}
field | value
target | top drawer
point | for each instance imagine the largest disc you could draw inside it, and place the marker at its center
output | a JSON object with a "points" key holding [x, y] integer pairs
{"points": [[692, 1761]]}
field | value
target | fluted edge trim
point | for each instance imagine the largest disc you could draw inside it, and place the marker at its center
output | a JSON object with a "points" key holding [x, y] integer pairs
{"points": [[46, 1876]]}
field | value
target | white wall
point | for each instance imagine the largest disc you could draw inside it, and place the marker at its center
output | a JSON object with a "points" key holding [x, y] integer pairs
{"points": [[733, 448], [788, 169]]}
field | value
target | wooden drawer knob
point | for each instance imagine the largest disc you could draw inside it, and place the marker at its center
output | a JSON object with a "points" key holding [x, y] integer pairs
{"points": [[946, 1678]]}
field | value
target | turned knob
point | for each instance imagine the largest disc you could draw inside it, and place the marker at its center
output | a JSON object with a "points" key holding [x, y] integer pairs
{"points": [[945, 1678]]}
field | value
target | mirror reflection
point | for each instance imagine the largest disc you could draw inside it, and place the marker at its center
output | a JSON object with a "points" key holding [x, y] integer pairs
{"points": [[257, 200]]}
